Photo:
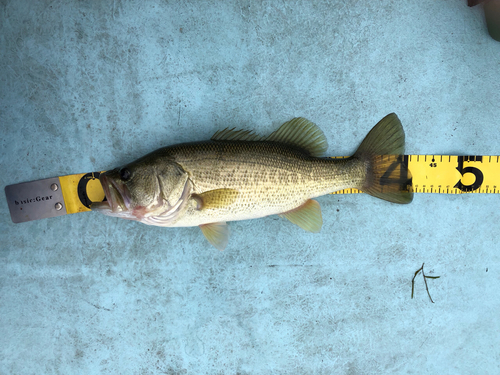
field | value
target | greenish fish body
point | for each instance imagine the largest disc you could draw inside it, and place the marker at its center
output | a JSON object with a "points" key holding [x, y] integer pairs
{"points": [[238, 175]]}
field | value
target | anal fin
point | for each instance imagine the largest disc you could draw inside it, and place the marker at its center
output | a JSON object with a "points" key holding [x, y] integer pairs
{"points": [[307, 216], [216, 233]]}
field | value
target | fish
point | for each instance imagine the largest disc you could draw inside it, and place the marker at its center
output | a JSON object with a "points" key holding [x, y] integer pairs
{"points": [[239, 175]]}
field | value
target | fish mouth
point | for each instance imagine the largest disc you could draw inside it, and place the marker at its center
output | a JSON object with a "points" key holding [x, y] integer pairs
{"points": [[117, 196]]}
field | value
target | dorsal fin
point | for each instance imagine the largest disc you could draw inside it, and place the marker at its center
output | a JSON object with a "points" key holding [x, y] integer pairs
{"points": [[302, 133], [298, 132], [235, 135]]}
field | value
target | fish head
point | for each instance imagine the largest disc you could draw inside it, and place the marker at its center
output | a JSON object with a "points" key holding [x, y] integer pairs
{"points": [[147, 190]]}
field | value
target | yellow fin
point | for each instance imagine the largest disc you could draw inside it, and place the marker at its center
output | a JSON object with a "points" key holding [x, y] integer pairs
{"points": [[216, 233], [218, 198], [382, 151], [308, 216], [302, 133]]}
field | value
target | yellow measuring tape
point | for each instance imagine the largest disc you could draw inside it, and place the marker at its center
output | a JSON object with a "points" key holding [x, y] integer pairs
{"points": [[436, 174], [80, 190]]}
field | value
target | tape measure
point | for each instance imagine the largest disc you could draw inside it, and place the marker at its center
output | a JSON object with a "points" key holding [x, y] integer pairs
{"points": [[446, 174], [435, 174]]}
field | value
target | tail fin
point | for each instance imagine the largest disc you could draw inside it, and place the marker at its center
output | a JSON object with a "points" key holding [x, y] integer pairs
{"points": [[382, 151]]}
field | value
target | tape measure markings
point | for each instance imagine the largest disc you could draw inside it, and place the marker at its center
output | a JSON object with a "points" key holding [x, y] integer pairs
{"points": [[450, 174], [434, 174]]}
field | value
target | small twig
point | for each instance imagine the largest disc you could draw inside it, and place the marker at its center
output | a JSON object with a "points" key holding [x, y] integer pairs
{"points": [[425, 281]]}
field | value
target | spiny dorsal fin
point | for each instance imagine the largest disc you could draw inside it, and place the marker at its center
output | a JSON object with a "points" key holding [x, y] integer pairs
{"points": [[299, 132], [235, 135], [302, 133], [308, 216], [216, 233]]}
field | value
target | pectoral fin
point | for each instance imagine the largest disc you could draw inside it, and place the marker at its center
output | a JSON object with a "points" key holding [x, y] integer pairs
{"points": [[218, 198], [308, 216], [216, 233]]}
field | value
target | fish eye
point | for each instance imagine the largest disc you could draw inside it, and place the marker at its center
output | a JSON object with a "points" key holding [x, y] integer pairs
{"points": [[125, 174]]}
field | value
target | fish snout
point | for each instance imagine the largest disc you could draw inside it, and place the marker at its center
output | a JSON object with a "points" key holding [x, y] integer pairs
{"points": [[116, 193]]}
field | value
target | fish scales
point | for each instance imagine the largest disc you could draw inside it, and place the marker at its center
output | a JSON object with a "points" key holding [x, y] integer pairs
{"points": [[238, 175], [272, 178]]}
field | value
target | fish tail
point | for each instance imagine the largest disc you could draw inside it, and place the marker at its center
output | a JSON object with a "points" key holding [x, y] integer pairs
{"points": [[387, 174]]}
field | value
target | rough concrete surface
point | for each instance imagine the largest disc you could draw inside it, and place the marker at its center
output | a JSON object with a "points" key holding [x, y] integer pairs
{"points": [[90, 85]]}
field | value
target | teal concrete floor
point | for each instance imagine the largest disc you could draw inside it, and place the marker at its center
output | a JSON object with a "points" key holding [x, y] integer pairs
{"points": [[90, 85]]}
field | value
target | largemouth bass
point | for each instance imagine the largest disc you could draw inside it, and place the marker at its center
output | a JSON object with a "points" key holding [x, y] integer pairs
{"points": [[238, 175]]}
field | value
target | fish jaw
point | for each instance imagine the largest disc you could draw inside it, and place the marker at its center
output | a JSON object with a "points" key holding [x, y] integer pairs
{"points": [[119, 204], [117, 193], [117, 201]]}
